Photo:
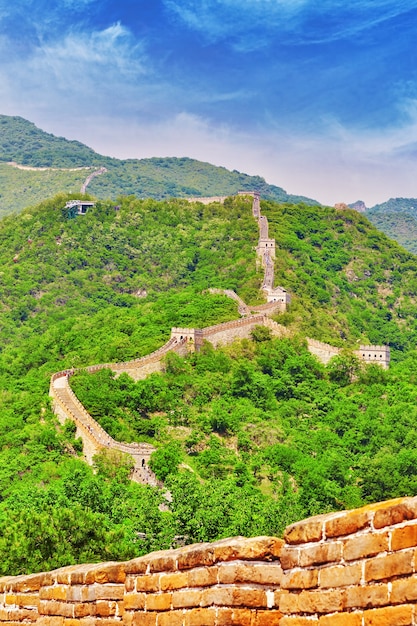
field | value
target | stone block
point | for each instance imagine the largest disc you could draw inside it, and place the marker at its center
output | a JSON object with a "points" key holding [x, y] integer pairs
{"points": [[365, 545], [340, 575], [134, 601], [148, 583], [390, 616], [242, 572], [341, 619], [300, 579], [234, 596], [404, 590], [187, 598], [319, 601], [405, 537], [401, 510], [202, 576], [367, 596], [158, 601], [390, 565], [176, 580], [201, 617], [234, 617], [347, 523], [305, 531], [321, 553]]}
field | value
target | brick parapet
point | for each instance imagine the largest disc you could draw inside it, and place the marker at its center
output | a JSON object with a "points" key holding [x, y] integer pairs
{"points": [[351, 568]]}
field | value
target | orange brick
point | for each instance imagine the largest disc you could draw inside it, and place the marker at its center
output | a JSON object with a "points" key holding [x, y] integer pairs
{"points": [[135, 601], [405, 537], [347, 523], [321, 553], [106, 608], [198, 555], [290, 557], [319, 601], [234, 596], [200, 617], [162, 562], [177, 580], [58, 592], [78, 593], [158, 601], [187, 598], [130, 583], [148, 583], [404, 590], [341, 619], [340, 575], [173, 618], [47, 607], [289, 603], [365, 545], [238, 572], [305, 531], [397, 513], [300, 579], [252, 549], [234, 617], [267, 618], [84, 609], [390, 616], [202, 576], [110, 573], [384, 567], [109, 592], [136, 566], [50, 621], [144, 619], [367, 596]]}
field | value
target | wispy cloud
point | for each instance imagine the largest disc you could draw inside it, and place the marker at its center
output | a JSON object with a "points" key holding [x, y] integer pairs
{"points": [[294, 22]]}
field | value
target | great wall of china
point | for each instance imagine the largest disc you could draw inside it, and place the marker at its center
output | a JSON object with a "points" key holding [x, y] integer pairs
{"points": [[67, 406], [349, 568]]}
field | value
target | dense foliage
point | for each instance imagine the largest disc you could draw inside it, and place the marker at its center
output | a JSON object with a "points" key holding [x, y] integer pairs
{"points": [[261, 424], [398, 219]]}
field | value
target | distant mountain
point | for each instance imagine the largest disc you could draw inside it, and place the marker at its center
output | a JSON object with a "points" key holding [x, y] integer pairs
{"points": [[397, 218], [23, 144]]}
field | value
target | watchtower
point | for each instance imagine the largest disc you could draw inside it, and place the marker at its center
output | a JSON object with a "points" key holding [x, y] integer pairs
{"points": [[375, 354]]}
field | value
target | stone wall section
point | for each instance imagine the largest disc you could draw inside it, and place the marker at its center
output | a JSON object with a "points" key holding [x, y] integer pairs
{"points": [[350, 568]]}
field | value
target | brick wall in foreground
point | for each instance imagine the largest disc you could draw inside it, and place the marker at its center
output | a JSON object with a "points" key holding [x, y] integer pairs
{"points": [[354, 568]]}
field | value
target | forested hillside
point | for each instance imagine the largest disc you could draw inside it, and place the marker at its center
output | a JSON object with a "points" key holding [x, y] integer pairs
{"points": [[25, 144], [250, 437], [397, 218]]}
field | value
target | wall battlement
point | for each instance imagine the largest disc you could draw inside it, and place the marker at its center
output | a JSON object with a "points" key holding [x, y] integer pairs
{"points": [[350, 568]]}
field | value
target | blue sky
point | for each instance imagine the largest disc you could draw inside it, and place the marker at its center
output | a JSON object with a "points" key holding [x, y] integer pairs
{"points": [[319, 97]]}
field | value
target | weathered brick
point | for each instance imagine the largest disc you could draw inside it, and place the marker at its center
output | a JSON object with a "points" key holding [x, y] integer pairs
{"points": [[320, 553], [198, 555], [158, 601], [48, 607], [267, 618], [176, 580], [107, 608], [144, 619], [173, 618], [252, 549], [300, 579], [405, 537], [136, 566], [234, 617], [50, 621], [390, 565], [110, 573], [319, 601], [340, 575], [33, 582], [347, 523], [187, 598], [109, 592], [134, 601], [200, 617], [78, 593], [289, 603], [365, 545], [234, 596], [341, 619], [163, 562], [404, 590], [290, 557], [130, 583], [367, 596], [84, 609], [202, 576], [241, 572], [148, 582], [305, 531], [402, 510], [390, 616]]}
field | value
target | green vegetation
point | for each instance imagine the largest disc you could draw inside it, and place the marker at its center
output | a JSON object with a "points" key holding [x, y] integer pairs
{"points": [[397, 218], [159, 178], [248, 438]]}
